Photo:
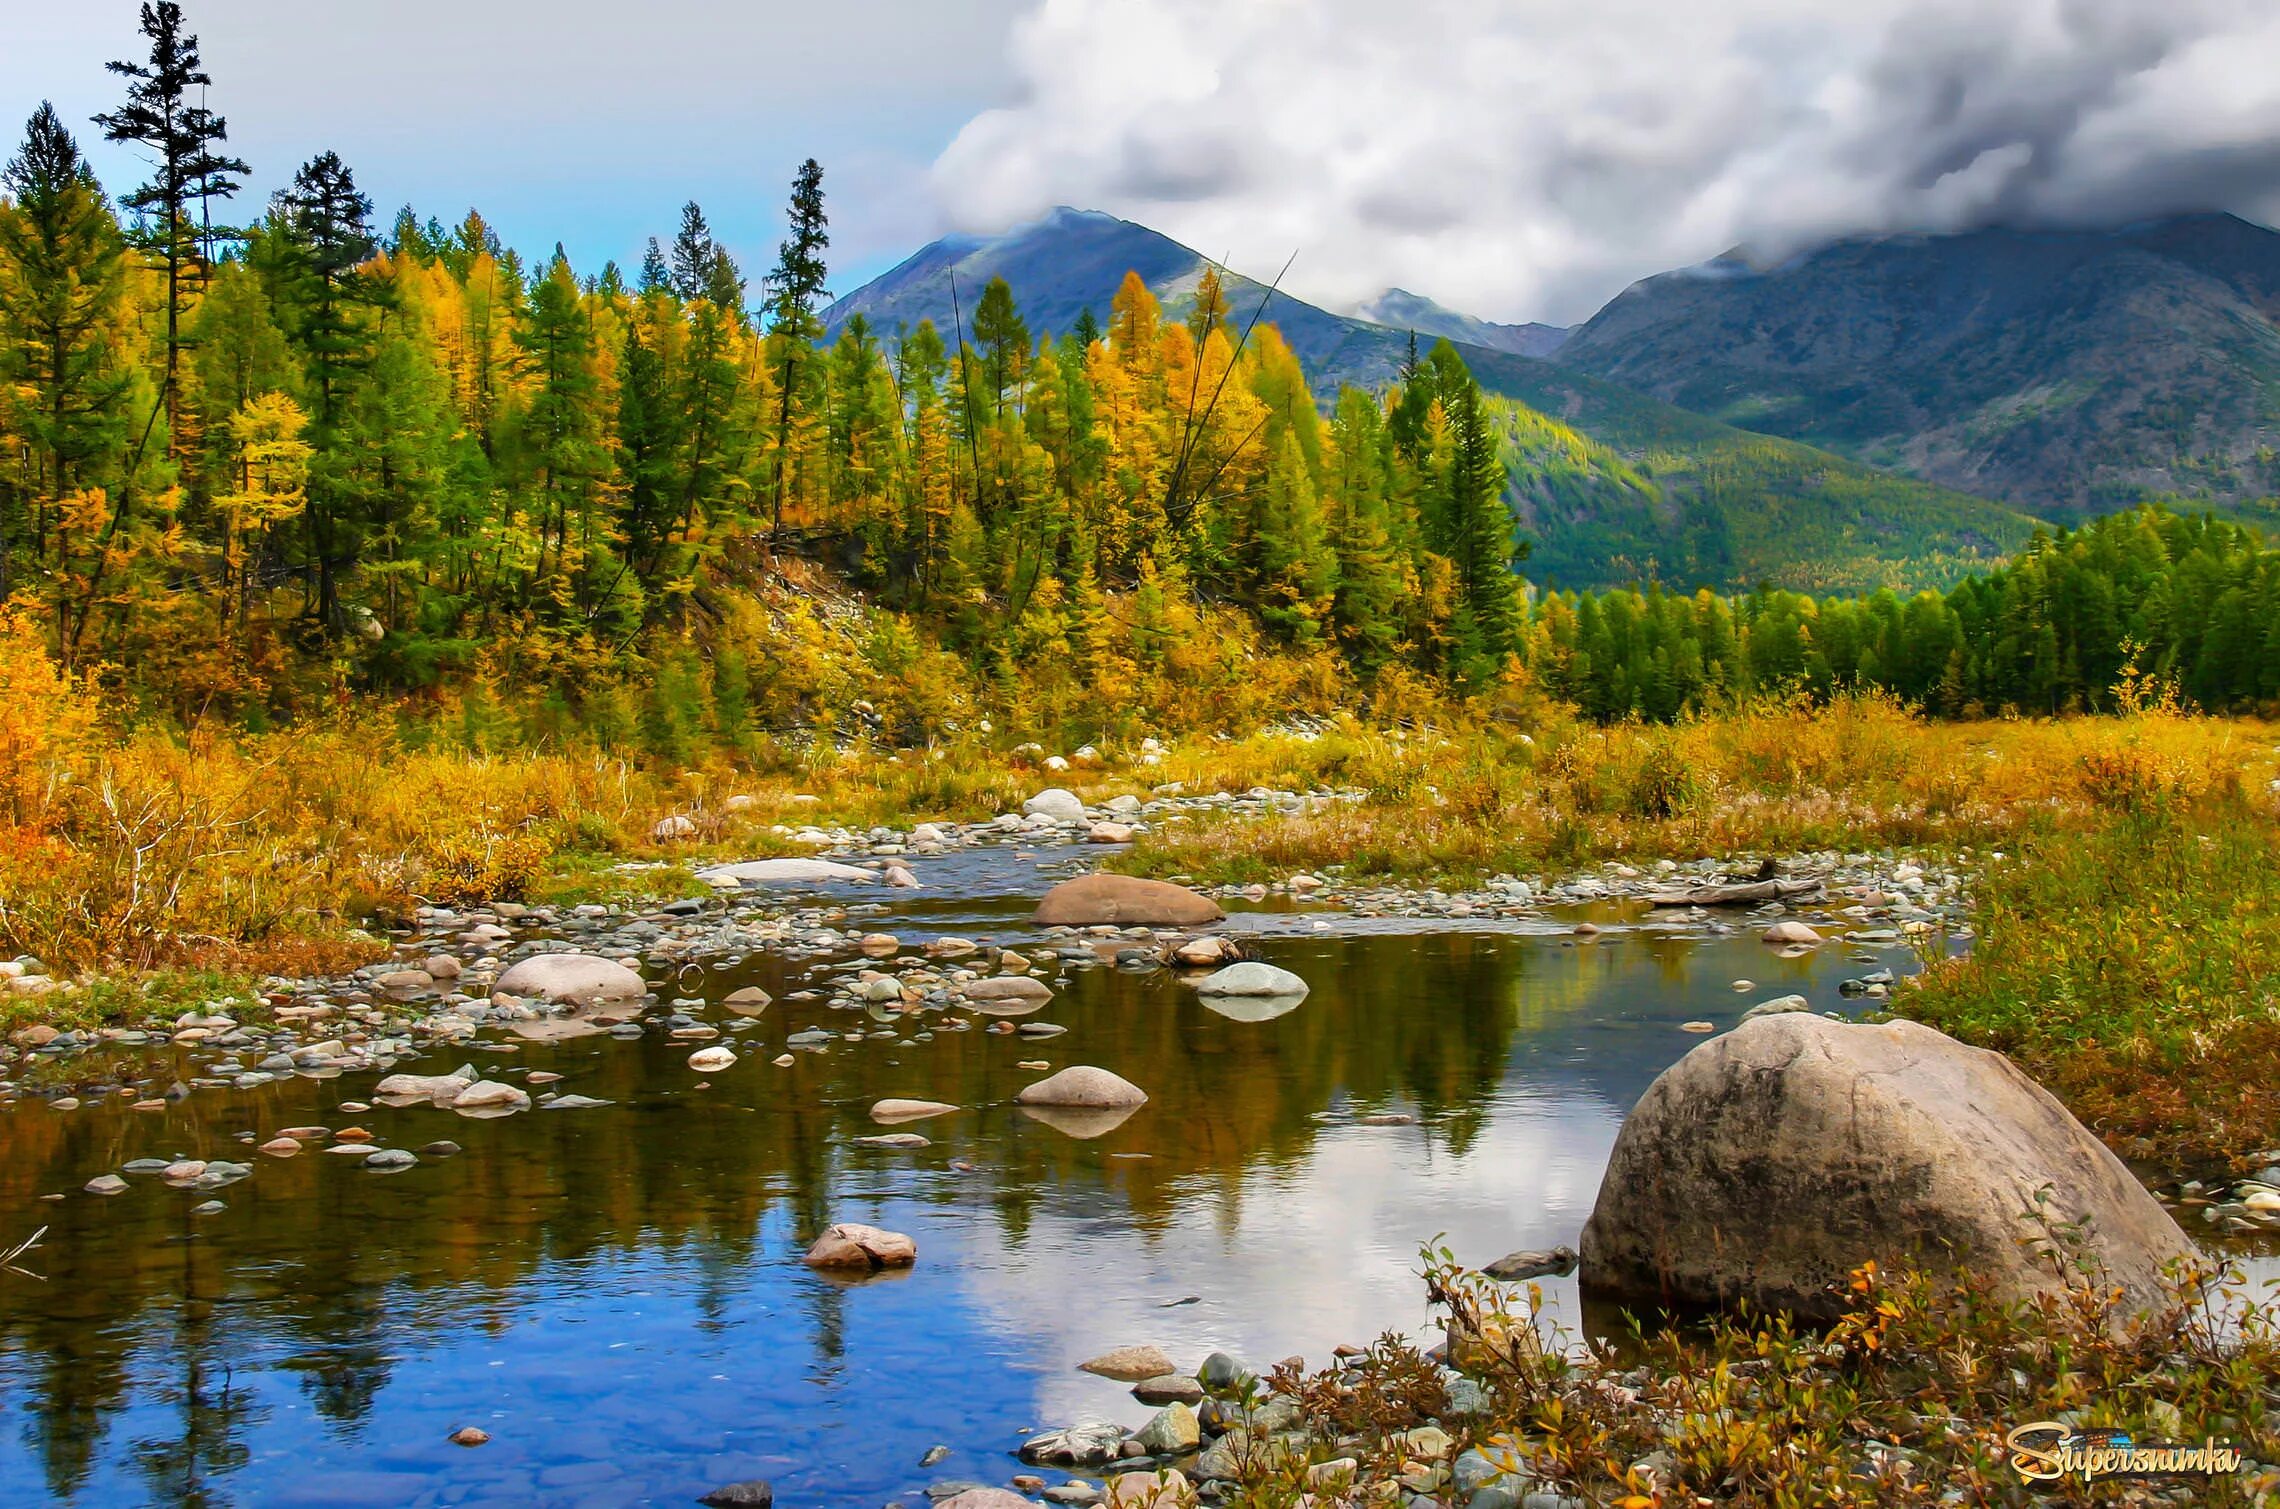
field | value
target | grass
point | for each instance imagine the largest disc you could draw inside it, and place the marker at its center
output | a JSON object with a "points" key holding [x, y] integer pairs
{"points": [[1907, 1399], [1783, 777], [2133, 966], [2123, 953]]}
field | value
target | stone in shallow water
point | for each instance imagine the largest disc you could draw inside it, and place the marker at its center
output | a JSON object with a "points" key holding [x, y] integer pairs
{"points": [[780, 872], [850, 1244], [582, 979], [753, 1493], [1088, 1444], [1174, 1430], [106, 1184], [1891, 1142], [1130, 1364], [1123, 900], [892, 1110], [1251, 978], [1085, 1087], [1170, 1388]]}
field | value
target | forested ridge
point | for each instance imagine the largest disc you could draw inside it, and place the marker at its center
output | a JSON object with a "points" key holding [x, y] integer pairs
{"points": [[249, 469]]}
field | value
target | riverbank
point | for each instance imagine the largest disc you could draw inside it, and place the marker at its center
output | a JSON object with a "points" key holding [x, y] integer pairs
{"points": [[1911, 1397], [862, 989], [265, 864]]}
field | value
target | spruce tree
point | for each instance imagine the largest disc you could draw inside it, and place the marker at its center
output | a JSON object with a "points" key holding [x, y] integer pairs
{"points": [[324, 239], [656, 275], [562, 426], [1003, 340], [793, 289], [62, 382], [161, 116], [692, 254]]}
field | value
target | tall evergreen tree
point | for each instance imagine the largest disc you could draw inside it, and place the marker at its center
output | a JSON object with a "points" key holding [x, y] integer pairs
{"points": [[692, 254], [62, 379], [324, 239], [181, 136], [656, 273], [793, 290], [1002, 338]]}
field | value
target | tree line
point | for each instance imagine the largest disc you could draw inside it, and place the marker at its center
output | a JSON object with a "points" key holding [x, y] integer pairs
{"points": [[239, 461], [228, 448]]}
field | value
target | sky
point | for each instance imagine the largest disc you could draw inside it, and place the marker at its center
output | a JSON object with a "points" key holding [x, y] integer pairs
{"points": [[1517, 159]]}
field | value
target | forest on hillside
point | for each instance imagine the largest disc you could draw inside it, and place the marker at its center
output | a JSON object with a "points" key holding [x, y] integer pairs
{"points": [[249, 469]]}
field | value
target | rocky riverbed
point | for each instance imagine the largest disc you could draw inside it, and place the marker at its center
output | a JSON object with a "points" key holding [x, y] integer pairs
{"points": [[903, 964]]}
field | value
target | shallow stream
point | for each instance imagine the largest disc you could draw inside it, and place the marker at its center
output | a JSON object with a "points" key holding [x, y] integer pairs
{"points": [[615, 1293]]}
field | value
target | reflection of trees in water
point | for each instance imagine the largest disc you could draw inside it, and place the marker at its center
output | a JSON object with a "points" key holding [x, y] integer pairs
{"points": [[190, 1464], [361, 1265]]}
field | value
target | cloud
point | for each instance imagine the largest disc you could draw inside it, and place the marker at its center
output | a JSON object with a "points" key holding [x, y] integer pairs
{"points": [[1527, 158]]}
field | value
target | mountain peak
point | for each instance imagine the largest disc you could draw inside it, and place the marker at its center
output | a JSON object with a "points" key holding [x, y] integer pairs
{"points": [[1403, 310]]}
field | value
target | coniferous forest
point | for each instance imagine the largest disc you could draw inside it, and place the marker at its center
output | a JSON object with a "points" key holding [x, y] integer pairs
{"points": [[254, 458]]}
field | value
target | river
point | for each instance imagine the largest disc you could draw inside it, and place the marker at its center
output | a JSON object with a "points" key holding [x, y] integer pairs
{"points": [[615, 1294]]}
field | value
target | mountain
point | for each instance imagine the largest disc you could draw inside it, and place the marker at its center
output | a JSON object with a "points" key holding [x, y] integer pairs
{"points": [[2066, 372], [1403, 310], [1670, 496]]}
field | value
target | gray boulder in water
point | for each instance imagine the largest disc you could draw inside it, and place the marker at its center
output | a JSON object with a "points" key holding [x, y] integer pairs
{"points": [[1771, 1161]]}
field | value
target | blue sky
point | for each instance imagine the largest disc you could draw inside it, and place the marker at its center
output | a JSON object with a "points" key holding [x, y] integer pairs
{"points": [[1516, 159], [571, 120]]}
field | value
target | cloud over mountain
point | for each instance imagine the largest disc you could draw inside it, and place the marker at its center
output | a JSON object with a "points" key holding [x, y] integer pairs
{"points": [[1527, 158]]}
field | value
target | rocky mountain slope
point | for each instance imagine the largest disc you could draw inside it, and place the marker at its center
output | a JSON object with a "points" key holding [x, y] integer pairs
{"points": [[2066, 372]]}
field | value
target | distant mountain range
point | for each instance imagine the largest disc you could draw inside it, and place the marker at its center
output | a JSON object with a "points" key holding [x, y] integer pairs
{"points": [[1403, 310], [2066, 372], [1884, 411]]}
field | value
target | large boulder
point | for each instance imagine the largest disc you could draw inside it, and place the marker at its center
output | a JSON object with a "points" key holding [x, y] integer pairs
{"points": [[1083, 1087], [1124, 901], [1771, 1161], [571, 979], [1053, 802]]}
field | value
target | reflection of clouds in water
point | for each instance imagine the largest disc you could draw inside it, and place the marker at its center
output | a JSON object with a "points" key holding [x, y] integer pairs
{"points": [[1300, 1258]]}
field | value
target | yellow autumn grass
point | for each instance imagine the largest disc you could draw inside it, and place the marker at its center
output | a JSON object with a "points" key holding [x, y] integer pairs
{"points": [[152, 847]]}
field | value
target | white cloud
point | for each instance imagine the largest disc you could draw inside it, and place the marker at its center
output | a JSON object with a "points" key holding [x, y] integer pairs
{"points": [[1526, 158]]}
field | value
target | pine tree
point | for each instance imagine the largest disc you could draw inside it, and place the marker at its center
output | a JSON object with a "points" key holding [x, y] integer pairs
{"points": [[793, 289], [324, 239], [692, 254], [1002, 338], [1479, 532], [656, 275], [63, 383], [561, 428], [160, 116]]}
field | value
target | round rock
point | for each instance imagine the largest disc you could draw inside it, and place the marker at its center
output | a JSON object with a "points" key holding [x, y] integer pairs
{"points": [[571, 979], [1771, 1161], [1083, 1087], [1124, 901], [1251, 978]]}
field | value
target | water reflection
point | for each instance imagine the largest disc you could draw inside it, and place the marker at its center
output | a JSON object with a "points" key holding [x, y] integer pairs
{"points": [[614, 1293]]}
